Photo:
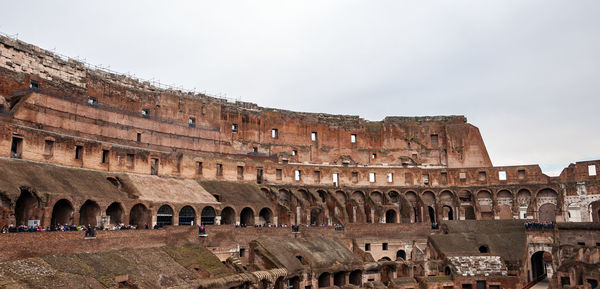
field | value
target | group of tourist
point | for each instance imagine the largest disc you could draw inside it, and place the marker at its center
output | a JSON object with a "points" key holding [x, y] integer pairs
{"points": [[63, 228], [540, 225]]}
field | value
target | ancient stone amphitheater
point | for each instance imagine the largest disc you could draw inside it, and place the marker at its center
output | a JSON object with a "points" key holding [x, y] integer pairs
{"points": [[406, 202]]}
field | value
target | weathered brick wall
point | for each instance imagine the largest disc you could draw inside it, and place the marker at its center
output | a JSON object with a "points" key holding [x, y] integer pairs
{"points": [[23, 245]]}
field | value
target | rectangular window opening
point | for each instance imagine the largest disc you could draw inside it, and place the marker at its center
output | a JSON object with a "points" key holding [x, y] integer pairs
{"points": [[105, 156], [352, 138], [482, 176], [234, 127], [278, 174], [434, 140], [384, 246], [591, 170], [297, 175], [390, 177], [367, 246], [313, 136], [130, 160], [294, 152], [145, 113], [521, 174], [16, 147], [138, 137], [92, 101], [274, 133], [48, 147], [219, 170], [336, 179], [502, 175], [355, 177], [78, 152], [255, 149], [373, 156], [444, 177], [259, 175], [371, 177], [317, 176], [192, 122], [240, 172], [198, 168], [154, 166], [34, 85], [425, 179]]}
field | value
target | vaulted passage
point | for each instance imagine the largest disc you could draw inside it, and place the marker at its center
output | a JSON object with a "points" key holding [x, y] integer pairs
{"points": [[539, 261], [356, 277], [401, 255], [265, 216], [247, 217], [139, 216], [187, 216], [88, 213], [207, 217], [164, 216], [26, 208], [62, 213], [325, 280], [390, 216], [115, 212], [227, 216]]}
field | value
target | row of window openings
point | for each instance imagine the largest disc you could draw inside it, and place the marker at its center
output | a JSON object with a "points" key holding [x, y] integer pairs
{"points": [[384, 246]]}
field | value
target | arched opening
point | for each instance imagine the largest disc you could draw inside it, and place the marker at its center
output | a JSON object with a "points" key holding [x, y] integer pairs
{"points": [[207, 216], [431, 214], [62, 213], [26, 207], [247, 217], [390, 216], [594, 208], [292, 283], [401, 255], [139, 216], [115, 213], [316, 217], [265, 217], [447, 271], [339, 278], [187, 216], [547, 213], [324, 280], [88, 213], [539, 262], [484, 249], [227, 216], [284, 197], [164, 216], [385, 259], [356, 277], [322, 196], [448, 213], [484, 200], [377, 198], [469, 212]]}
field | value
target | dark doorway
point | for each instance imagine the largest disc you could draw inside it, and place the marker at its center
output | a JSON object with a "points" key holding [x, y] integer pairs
{"points": [[469, 212], [356, 278], [259, 175], [339, 278], [401, 255], [207, 217], [247, 217], [187, 216], [227, 216], [324, 280], [390, 216], [431, 214], [538, 268], [62, 213], [448, 212], [265, 217], [164, 216], [115, 212], [481, 284], [88, 213], [26, 207], [139, 216], [16, 147]]}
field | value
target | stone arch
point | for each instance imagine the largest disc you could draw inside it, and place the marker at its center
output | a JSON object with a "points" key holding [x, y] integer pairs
{"points": [[208, 214], [62, 213], [356, 278], [316, 216], [394, 196], [377, 197], [88, 213], [115, 212], [27, 207], [428, 198], [547, 213], [401, 255], [547, 193], [247, 217], [447, 198], [284, 215], [306, 196], [187, 216], [540, 260], [594, 209], [485, 204], [284, 197], [322, 196], [265, 216], [412, 198], [227, 216], [385, 258], [447, 212], [340, 196], [465, 196], [339, 278], [390, 216], [504, 194], [324, 280], [164, 216], [358, 197], [139, 216]]}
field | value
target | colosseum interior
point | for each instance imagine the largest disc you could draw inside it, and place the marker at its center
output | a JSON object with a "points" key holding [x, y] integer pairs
{"points": [[285, 199]]}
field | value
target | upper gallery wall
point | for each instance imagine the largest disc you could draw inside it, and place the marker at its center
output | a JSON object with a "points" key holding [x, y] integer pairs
{"points": [[65, 97]]}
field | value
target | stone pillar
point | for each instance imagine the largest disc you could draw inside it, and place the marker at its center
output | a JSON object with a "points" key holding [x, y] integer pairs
{"points": [[353, 214], [372, 215], [298, 214], [217, 220]]}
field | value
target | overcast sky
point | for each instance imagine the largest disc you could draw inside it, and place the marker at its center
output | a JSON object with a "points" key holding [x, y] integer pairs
{"points": [[527, 73]]}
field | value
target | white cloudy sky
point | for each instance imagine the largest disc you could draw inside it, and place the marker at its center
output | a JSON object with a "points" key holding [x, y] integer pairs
{"points": [[527, 73]]}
